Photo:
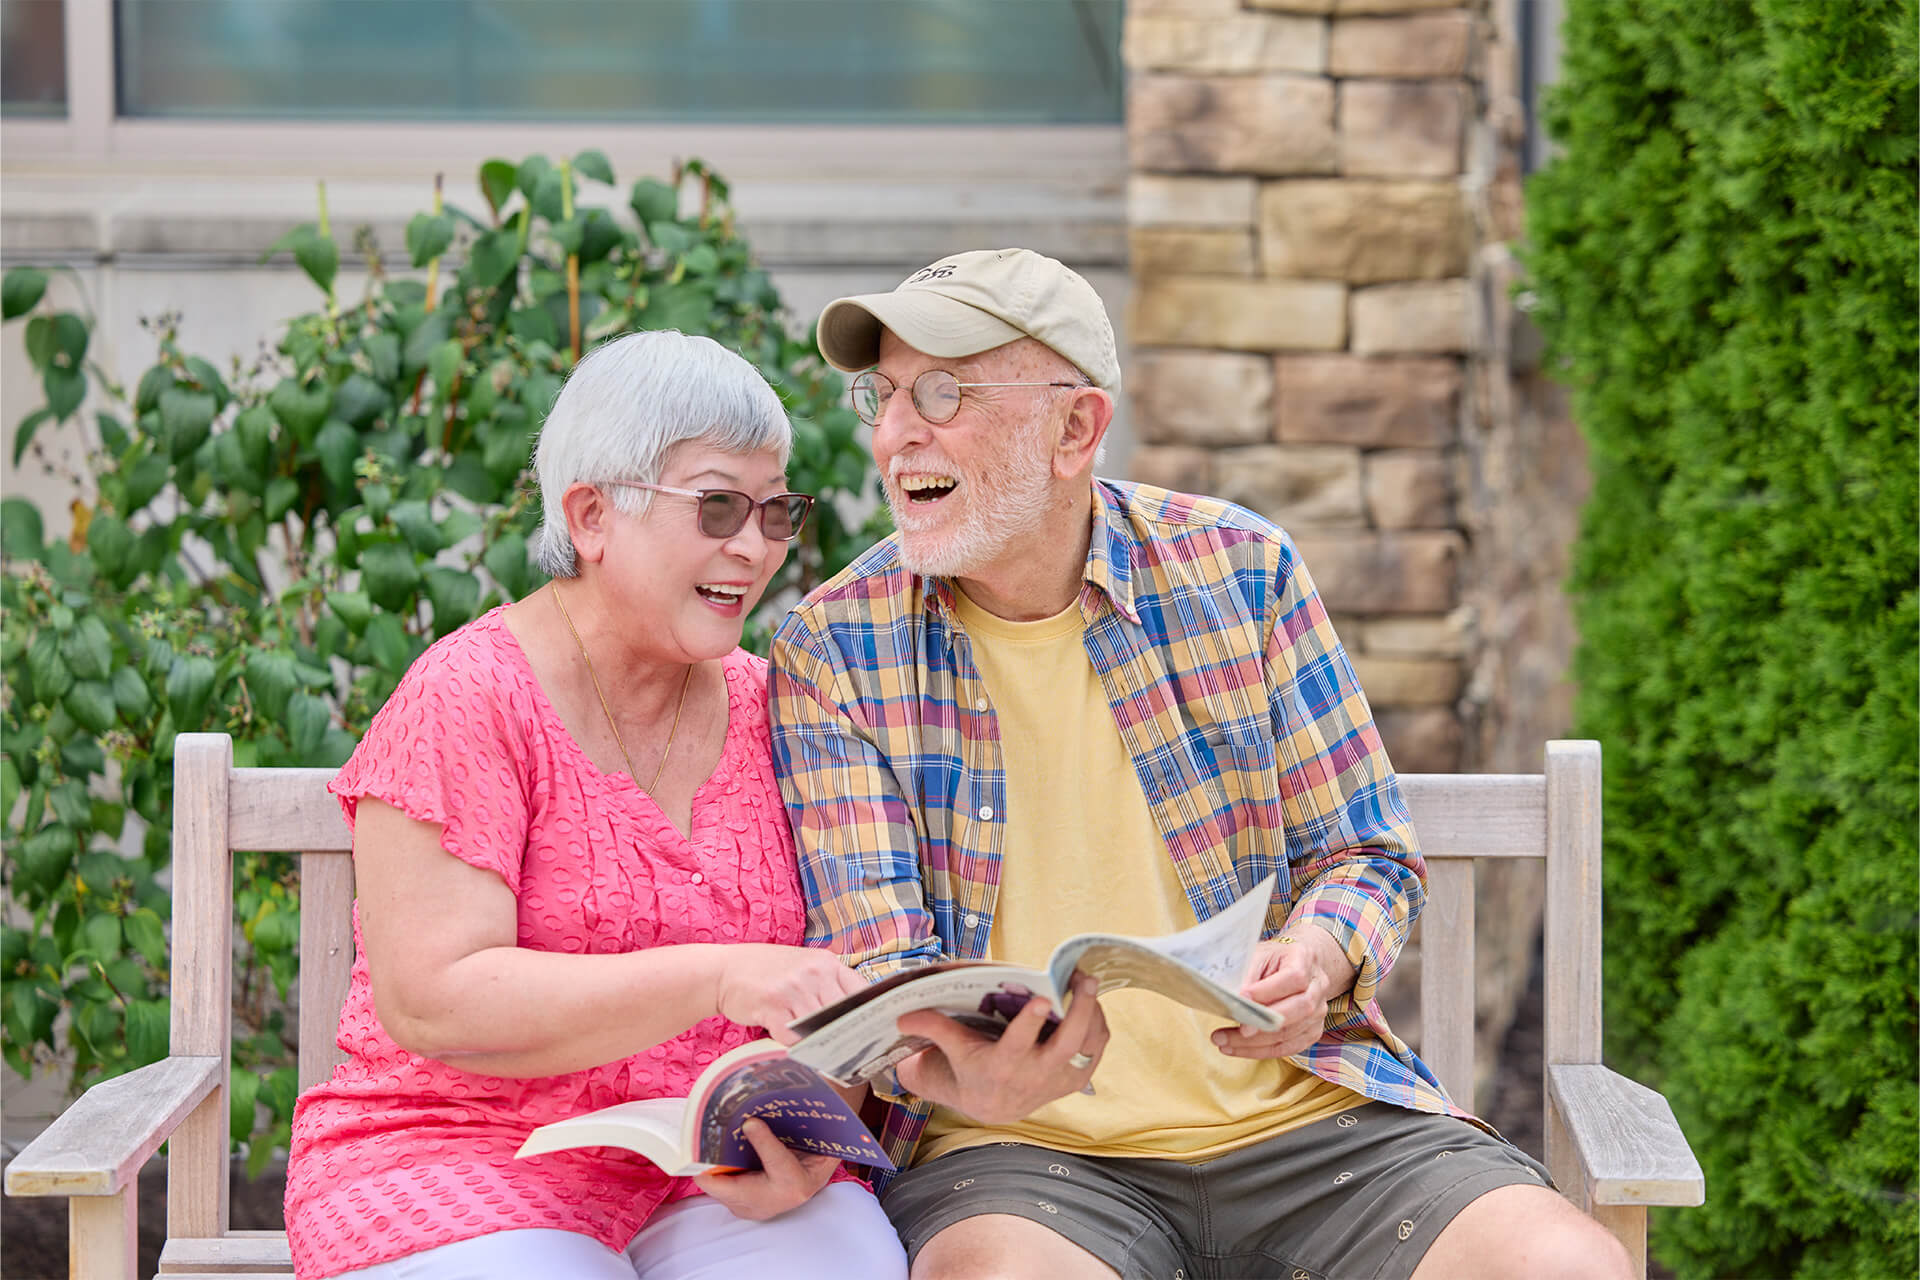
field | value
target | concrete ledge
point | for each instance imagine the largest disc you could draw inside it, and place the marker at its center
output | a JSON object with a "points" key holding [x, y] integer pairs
{"points": [[228, 221]]}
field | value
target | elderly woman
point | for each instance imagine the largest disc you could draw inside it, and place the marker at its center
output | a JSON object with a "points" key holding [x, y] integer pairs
{"points": [[577, 885]]}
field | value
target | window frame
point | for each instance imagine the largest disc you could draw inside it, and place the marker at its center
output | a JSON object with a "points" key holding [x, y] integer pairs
{"points": [[94, 137]]}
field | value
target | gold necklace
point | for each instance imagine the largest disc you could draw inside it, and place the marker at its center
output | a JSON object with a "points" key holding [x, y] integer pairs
{"points": [[618, 741]]}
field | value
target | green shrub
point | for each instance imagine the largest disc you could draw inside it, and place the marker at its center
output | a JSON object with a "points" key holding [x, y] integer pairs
{"points": [[271, 546], [1724, 257]]}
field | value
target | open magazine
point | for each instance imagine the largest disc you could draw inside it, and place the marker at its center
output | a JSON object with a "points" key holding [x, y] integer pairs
{"points": [[854, 1039], [701, 1133]]}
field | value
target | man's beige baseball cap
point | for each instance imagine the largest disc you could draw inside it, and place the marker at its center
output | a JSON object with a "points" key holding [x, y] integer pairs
{"points": [[972, 302]]}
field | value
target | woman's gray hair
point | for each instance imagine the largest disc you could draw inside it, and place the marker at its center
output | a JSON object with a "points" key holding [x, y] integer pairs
{"points": [[624, 409]]}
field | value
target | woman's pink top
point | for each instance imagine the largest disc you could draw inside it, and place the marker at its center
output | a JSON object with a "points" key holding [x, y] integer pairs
{"points": [[396, 1153]]}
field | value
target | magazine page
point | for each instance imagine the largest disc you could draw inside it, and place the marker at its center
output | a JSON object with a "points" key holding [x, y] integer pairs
{"points": [[862, 1041], [1203, 967], [1123, 962], [801, 1108]]}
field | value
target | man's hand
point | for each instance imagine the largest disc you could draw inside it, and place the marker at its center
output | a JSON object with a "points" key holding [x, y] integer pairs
{"points": [[1295, 975], [1006, 1080], [785, 1180]]}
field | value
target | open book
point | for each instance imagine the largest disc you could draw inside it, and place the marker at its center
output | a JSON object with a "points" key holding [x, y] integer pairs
{"points": [[854, 1039], [702, 1132]]}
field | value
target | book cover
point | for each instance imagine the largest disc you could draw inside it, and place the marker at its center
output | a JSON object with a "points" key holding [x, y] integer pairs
{"points": [[703, 1131]]}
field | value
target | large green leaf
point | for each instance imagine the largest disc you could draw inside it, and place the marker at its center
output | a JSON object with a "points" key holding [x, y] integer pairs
{"points": [[301, 408], [21, 531], [90, 703], [653, 201], [528, 176], [455, 597], [112, 544], [20, 290], [307, 721], [89, 649], [145, 477], [147, 1028], [319, 257], [387, 642], [493, 258], [351, 607], [100, 934], [593, 164], [496, 184], [185, 419], [130, 692], [243, 1090], [24, 433], [272, 678], [65, 389], [428, 236], [51, 675], [146, 935], [388, 574], [208, 379], [359, 400], [416, 524], [42, 859], [280, 496], [70, 336], [339, 448], [190, 690], [507, 561]]}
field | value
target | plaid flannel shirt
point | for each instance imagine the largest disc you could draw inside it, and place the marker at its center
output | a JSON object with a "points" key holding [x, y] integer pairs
{"points": [[1247, 728]]}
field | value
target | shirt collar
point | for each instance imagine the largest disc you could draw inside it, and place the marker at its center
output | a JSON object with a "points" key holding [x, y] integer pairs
{"points": [[1109, 567], [1110, 552]]}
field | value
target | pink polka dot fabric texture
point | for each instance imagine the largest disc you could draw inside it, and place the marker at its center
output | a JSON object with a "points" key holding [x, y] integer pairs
{"points": [[396, 1153]]}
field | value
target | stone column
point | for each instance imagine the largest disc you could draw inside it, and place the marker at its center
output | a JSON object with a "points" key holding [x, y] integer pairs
{"points": [[1320, 200]]}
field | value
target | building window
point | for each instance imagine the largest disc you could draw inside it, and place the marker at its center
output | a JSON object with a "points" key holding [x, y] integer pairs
{"points": [[33, 58], [687, 61]]}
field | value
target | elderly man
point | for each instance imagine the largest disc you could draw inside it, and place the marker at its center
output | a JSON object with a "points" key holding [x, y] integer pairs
{"points": [[1051, 703]]}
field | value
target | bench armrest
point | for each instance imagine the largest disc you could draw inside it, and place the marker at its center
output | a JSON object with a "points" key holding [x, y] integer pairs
{"points": [[1630, 1148], [97, 1145]]}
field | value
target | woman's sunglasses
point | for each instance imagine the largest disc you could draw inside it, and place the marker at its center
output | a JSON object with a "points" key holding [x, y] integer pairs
{"points": [[723, 512]]}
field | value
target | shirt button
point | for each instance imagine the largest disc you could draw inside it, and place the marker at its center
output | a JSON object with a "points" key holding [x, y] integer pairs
{"points": [[973, 921], [986, 812], [696, 877], [979, 704]]}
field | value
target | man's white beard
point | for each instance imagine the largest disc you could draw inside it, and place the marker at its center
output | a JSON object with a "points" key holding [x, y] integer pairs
{"points": [[1006, 501]]}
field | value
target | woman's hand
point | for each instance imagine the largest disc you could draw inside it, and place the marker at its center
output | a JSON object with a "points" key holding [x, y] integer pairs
{"points": [[785, 1180], [762, 985]]}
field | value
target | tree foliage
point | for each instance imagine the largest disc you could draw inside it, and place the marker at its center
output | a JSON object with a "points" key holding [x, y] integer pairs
{"points": [[264, 550], [1725, 261]]}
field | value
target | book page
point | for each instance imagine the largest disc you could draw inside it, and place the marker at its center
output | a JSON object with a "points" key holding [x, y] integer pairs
{"points": [[651, 1127], [1202, 967], [855, 1039]]}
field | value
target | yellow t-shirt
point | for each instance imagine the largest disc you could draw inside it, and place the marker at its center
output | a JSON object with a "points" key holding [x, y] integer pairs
{"points": [[1083, 854]]}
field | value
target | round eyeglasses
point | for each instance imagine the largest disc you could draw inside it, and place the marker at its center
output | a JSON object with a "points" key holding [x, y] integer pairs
{"points": [[936, 394], [723, 512]]}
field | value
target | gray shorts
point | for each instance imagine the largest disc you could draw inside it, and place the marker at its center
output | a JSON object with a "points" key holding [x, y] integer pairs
{"points": [[1357, 1197]]}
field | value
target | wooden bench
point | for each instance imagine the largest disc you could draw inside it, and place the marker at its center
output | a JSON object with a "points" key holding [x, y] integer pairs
{"points": [[1613, 1146]]}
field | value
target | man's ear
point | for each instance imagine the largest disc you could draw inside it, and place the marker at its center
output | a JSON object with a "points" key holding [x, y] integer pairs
{"points": [[1086, 426], [590, 516]]}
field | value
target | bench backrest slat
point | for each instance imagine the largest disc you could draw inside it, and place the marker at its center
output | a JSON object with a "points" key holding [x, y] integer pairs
{"points": [[326, 959]]}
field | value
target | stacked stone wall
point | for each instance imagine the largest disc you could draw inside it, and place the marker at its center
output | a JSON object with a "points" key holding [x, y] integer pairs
{"points": [[1322, 199]]}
